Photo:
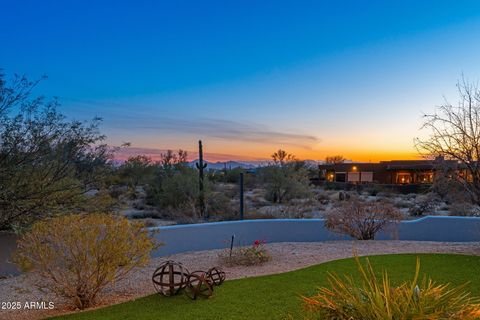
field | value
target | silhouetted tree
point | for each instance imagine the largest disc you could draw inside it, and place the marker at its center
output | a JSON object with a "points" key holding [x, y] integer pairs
{"points": [[285, 179], [281, 157], [334, 159], [46, 162], [137, 170], [454, 133]]}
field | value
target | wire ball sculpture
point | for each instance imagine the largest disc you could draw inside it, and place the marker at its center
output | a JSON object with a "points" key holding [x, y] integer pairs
{"points": [[199, 284], [170, 278], [217, 275]]}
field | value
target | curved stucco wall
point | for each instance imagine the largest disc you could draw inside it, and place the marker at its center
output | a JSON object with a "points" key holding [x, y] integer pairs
{"points": [[216, 235]]}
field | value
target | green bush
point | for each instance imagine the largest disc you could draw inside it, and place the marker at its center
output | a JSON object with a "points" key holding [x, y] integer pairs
{"points": [[176, 189], [137, 170], [286, 182], [378, 299], [47, 162]]}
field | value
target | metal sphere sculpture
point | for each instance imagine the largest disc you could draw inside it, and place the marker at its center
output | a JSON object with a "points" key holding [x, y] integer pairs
{"points": [[170, 278], [217, 275], [199, 284]]}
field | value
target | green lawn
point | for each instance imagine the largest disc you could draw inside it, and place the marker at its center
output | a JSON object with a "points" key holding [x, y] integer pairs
{"points": [[271, 297]]}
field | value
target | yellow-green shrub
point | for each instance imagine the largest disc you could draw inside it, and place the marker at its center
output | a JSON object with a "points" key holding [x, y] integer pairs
{"points": [[76, 256], [377, 299]]}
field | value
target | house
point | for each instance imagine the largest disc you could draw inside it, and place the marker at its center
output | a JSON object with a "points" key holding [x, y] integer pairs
{"points": [[385, 172]]}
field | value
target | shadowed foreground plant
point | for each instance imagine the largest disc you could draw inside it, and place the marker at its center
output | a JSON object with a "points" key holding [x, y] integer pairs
{"points": [[377, 299], [361, 220], [76, 256]]}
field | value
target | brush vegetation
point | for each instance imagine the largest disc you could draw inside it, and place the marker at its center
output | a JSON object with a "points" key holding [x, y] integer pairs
{"points": [[375, 298]]}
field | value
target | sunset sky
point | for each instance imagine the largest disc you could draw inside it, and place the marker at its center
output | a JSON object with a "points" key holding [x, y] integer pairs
{"points": [[315, 78]]}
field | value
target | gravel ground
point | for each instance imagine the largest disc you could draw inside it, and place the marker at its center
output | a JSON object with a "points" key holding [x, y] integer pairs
{"points": [[285, 257]]}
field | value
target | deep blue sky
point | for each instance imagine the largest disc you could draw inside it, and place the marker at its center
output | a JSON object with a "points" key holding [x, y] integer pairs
{"points": [[349, 77]]}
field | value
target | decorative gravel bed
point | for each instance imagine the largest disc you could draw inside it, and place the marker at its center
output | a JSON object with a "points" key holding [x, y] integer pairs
{"points": [[285, 257]]}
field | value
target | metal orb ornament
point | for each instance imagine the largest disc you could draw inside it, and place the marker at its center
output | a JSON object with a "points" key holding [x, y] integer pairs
{"points": [[217, 275], [170, 278], [199, 284]]}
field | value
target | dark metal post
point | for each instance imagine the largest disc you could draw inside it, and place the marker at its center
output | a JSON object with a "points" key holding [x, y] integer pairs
{"points": [[231, 245], [242, 201]]}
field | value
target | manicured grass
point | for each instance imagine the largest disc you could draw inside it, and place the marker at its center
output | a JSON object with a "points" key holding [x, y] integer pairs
{"points": [[271, 297]]}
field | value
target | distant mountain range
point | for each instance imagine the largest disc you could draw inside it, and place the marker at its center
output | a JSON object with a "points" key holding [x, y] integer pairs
{"points": [[232, 164], [219, 165]]}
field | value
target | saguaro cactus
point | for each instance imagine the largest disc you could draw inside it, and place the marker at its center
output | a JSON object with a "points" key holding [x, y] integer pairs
{"points": [[201, 195]]}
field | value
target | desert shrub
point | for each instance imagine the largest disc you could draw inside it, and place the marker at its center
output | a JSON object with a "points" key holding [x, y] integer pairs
{"points": [[257, 198], [185, 213], [286, 182], [296, 210], [361, 220], [219, 205], [116, 190], [255, 214], [386, 193], [378, 299], [423, 204], [228, 189], [144, 214], [137, 170], [401, 203], [246, 256], [101, 202], [463, 209], [77, 256], [232, 175], [175, 189], [47, 162], [343, 195], [373, 190], [321, 196]]}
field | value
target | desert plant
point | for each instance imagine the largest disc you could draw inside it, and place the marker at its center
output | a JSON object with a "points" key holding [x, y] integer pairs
{"points": [[375, 298], [201, 185], [285, 179], [284, 183], [175, 189], [463, 209], [373, 190], [137, 170], [361, 220], [296, 210], [77, 256], [453, 132], [423, 204], [334, 159], [246, 256], [219, 204], [47, 163]]}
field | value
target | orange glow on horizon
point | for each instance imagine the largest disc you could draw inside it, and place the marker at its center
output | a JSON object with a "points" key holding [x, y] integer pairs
{"points": [[242, 152]]}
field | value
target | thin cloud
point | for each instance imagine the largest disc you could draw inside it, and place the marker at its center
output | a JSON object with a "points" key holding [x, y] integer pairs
{"points": [[225, 130], [119, 116], [155, 154]]}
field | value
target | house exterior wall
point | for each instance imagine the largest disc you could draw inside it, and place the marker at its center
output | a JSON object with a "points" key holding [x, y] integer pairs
{"points": [[384, 172]]}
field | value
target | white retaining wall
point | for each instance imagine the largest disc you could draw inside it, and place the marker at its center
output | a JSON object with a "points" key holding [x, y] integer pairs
{"points": [[216, 235]]}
